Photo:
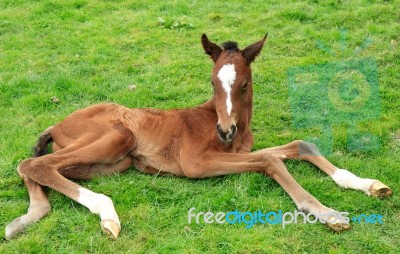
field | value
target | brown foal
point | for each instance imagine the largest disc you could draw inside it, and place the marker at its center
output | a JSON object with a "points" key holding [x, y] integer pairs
{"points": [[211, 139]]}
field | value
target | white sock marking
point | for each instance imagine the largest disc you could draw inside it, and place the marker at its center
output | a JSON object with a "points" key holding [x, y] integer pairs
{"points": [[346, 179], [98, 204], [227, 76]]}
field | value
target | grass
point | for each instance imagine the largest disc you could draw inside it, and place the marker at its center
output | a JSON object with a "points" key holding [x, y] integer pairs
{"points": [[85, 52]]}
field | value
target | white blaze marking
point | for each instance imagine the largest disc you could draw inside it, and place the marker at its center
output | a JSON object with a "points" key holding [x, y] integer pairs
{"points": [[346, 179], [227, 76]]}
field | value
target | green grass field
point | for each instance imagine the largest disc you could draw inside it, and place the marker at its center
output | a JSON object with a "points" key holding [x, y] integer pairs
{"points": [[60, 56]]}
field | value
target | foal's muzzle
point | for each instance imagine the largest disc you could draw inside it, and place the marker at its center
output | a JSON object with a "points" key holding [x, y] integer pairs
{"points": [[226, 136]]}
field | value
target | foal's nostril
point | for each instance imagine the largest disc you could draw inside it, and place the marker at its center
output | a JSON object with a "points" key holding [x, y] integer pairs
{"points": [[233, 130], [219, 129]]}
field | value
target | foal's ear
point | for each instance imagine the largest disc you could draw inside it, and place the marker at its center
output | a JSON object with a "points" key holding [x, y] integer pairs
{"points": [[250, 52], [211, 49]]}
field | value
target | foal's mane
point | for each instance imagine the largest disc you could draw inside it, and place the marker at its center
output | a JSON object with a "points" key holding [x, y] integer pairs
{"points": [[230, 45]]}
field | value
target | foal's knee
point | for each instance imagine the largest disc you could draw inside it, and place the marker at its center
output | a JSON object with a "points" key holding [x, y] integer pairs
{"points": [[310, 149], [273, 164]]}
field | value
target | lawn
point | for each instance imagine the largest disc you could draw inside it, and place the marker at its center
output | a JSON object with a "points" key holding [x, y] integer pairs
{"points": [[60, 56]]}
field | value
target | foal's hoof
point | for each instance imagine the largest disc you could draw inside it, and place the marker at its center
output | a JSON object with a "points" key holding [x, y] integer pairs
{"points": [[339, 227], [13, 229], [110, 228], [378, 189]]}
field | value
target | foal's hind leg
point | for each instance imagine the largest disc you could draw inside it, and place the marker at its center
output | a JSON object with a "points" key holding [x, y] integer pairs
{"points": [[309, 152], [38, 208], [86, 172], [44, 170], [39, 203]]}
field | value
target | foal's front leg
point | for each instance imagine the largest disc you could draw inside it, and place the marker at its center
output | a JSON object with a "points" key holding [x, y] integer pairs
{"points": [[302, 150], [215, 164]]}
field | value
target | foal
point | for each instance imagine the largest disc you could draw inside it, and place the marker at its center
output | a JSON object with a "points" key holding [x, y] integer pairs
{"points": [[208, 140]]}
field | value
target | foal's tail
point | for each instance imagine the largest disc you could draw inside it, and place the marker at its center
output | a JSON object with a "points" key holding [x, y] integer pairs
{"points": [[45, 138]]}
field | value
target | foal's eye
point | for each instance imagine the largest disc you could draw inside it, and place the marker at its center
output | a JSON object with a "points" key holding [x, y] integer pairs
{"points": [[244, 87]]}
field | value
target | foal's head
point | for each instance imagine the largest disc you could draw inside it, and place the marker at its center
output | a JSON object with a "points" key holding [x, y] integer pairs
{"points": [[231, 78]]}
